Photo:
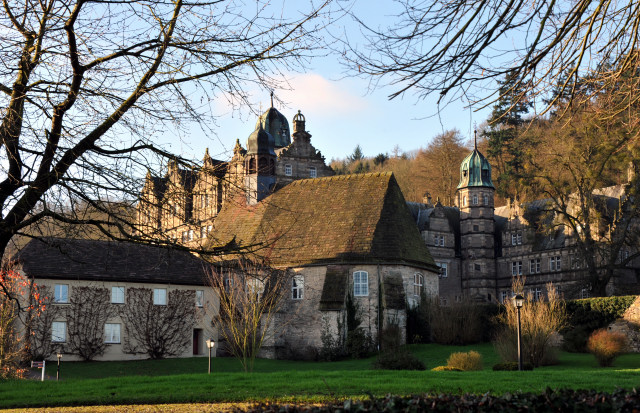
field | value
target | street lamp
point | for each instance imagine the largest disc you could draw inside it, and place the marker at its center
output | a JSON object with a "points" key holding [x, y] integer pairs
{"points": [[59, 355], [518, 301], [210, 344]]}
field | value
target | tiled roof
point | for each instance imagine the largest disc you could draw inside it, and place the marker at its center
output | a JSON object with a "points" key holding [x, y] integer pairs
{"points": [[342, 219], [79, 259]]}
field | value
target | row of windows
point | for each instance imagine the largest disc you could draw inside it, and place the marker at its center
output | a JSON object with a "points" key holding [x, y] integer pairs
{"points": [[475, 200], [61, 295], [59, 332], [555, 264], [190, 235], [288, 171]]}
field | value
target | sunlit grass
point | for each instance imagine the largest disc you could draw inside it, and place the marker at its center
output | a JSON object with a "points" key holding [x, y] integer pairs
{"points": [[186, 381]]}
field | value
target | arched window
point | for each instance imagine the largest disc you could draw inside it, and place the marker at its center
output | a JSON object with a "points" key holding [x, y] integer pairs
{"points": [[418, 283], [252, 165], [360, 284], [263, 165]]}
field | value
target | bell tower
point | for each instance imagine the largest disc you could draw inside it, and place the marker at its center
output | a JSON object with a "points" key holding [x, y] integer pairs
{"points": [[260, 165], [474, 198]]}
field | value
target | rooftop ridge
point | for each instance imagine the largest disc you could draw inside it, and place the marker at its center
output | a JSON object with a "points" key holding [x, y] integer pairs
{"points": [[386, 174]]}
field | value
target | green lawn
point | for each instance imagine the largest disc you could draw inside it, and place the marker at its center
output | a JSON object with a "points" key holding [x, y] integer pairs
{"points": [[186, 381]]}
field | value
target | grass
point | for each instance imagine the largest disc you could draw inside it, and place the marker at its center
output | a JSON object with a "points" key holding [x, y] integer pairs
{"points": [[186, 381]]}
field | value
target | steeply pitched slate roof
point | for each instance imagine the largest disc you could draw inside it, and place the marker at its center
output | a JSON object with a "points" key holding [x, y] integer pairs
{"points": [[78, 259], [342, 219]]}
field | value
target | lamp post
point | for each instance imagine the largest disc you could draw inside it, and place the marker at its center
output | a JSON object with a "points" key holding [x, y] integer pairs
{"points": [[210, 344], [59, 355], [518, 301]]}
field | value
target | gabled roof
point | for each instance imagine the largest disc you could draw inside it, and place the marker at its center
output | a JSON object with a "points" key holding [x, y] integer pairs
{"points": [[342, 219], [92, 260]]}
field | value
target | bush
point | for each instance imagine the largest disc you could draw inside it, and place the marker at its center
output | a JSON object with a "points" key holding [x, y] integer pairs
{"points": [[606, 346], [465, 361], [512, 366], [540, 323], [400, 359], [456, 324], [445, 368], [590, 314]]}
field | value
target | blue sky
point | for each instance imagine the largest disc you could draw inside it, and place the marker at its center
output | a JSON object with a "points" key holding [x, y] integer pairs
{"points": [[341, 111]]}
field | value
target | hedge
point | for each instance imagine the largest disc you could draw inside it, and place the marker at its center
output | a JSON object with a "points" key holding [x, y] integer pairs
{"points": [[550, 400]]}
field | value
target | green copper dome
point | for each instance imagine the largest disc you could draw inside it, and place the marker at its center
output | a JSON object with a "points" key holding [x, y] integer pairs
{"points": [[277, 125], [475, 170]]}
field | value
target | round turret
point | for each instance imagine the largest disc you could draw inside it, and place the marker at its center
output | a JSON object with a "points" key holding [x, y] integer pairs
{"points": [[260, 142], [475, 171], [277, 125]]}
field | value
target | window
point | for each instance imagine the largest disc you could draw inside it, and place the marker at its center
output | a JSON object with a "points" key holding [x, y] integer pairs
{"points": [[513, 239], [519, 238], [59, 331], [534, 266], [202, 200], [486, 199], [584, 293], [537, 294], [554, 263], [475, 200], [209, 228], [288, 170], [203, 232], [199, 298], [159, 296], [185, 236], [464, 199], [443, 269], [112, 333], [438, 240], [477, 267], [360, 284], [476, 228], [516, 268], [61, 293], [117, 295], [297, 287], [504, 296], [191, 235], [418, 283], [312, 172]]}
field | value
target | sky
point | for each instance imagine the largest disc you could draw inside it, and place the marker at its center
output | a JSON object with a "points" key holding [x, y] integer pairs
{"points": [[341, 111]]}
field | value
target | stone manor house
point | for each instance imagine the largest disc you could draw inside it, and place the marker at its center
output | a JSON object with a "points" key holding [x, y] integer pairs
{"points": [[336, 236]]}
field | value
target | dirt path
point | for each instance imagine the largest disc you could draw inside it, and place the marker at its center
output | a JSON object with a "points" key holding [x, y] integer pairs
{"points": [[144, 408]]}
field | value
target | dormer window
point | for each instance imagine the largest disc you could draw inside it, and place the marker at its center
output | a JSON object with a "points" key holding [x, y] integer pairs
{"points": [[464, 173], [485, 174]]}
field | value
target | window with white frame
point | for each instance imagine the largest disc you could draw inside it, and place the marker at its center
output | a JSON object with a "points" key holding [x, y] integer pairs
{"points": [[418, 284], [360, 284], [519, 238], [534, 266], [504, 296], [537, 293], [59, 331], [312, 172], [199, 298], [486, 199], [444, 271], [464, 201], [288, 170], [191, 235], [475, 199], [438, 240], [117, 295], [516, 268], [61, 293], [112, 333], [159, 296], [554, 263], [297, 287]]}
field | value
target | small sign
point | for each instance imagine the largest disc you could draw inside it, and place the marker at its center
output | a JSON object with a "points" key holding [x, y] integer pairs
{"points": [[40, 365]]}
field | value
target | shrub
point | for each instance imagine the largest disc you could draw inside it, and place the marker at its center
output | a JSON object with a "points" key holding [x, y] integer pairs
{"points": [[590, 314], [445, 368], [455, 324], [398, 359], [540, 322], [390, 337], [511, 366], [606, 346], [465, 361]]}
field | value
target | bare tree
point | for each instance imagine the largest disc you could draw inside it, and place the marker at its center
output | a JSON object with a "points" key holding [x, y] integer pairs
{"points": [[250, 296], [37, 342], [155, 328], [448, 47], [90, 308], [87, 86]]}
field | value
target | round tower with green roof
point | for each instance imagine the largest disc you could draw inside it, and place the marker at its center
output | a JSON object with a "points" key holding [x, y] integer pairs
{"points": [[477, 227]]}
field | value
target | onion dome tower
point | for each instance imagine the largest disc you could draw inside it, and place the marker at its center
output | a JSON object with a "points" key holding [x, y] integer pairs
{"points": [[477, 226], [276, 124], [260, 165]]}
